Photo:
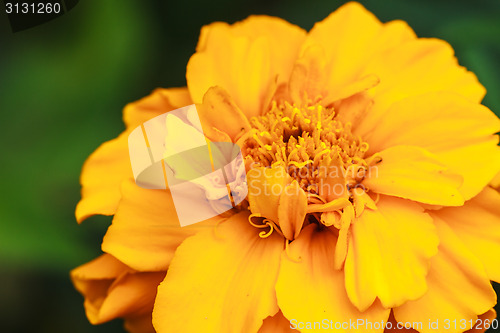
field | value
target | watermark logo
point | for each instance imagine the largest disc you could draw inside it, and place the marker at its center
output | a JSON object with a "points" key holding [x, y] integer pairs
{"points": [[205, 178]]}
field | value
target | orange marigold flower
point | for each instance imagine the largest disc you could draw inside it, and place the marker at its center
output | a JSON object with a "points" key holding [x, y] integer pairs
{"points": [[387, 208]]}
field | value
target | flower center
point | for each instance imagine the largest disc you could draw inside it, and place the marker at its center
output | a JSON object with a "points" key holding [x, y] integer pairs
{"points": [[321, 153], [317, 150]]}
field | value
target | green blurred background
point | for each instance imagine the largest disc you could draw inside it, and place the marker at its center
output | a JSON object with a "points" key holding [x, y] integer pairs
{"points": [[63, 86]]}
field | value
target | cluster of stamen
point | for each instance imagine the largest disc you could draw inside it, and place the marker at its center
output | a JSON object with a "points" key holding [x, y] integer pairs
{"points": [[310, 142], [305, 139]]}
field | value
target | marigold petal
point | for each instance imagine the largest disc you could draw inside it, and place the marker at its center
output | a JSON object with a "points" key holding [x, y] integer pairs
{"points": [[308, 75], [247, 59], [392, 326], [109, 165], [478, 226], [145, 231], [413, 173], [389, 252], [480, 326], [113, 290], [495, 183], [265, 186], [292, 210], [139, 324], [459, 132], [103, 267], [101, 177], [219, 111], [353, 109], [273, 194], [310, 289], [417, 67], [437, 121], [276, 324], [458, 288], [477, 163], [223, 280], [158, 102], [350, 37], [130, 294]]}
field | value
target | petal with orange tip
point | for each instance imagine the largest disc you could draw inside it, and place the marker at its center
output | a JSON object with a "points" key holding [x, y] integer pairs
{"points": [[113, 290]]}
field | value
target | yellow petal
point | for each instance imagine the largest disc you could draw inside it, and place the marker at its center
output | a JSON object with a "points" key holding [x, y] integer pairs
{"points": [[129, 295], [417, 67], [103, 267], [310, 289], [109, 165], [477, 163], [274, 195], [265, 187], [458, 288], [308, 76], [458, 131], [246, 59], [113, 290], [220, 282], [389, 254], [353, 109], [145, 231], [219, 111], [101, 177], [292, 210], [413, 173], [160, 101], [477, 224], [436, 121], [330, 179], [357, 45], [276, 324], [350, 37]]}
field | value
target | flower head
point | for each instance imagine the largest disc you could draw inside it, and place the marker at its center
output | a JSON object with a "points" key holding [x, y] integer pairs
{"points": [[371, 192]]}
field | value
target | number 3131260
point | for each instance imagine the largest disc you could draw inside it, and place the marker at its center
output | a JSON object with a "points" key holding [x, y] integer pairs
{"points": [[32, 8]]}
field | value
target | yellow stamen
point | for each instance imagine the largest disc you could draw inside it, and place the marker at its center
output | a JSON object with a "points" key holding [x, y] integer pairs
{"points": [[264, 234], [343, 239]]}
